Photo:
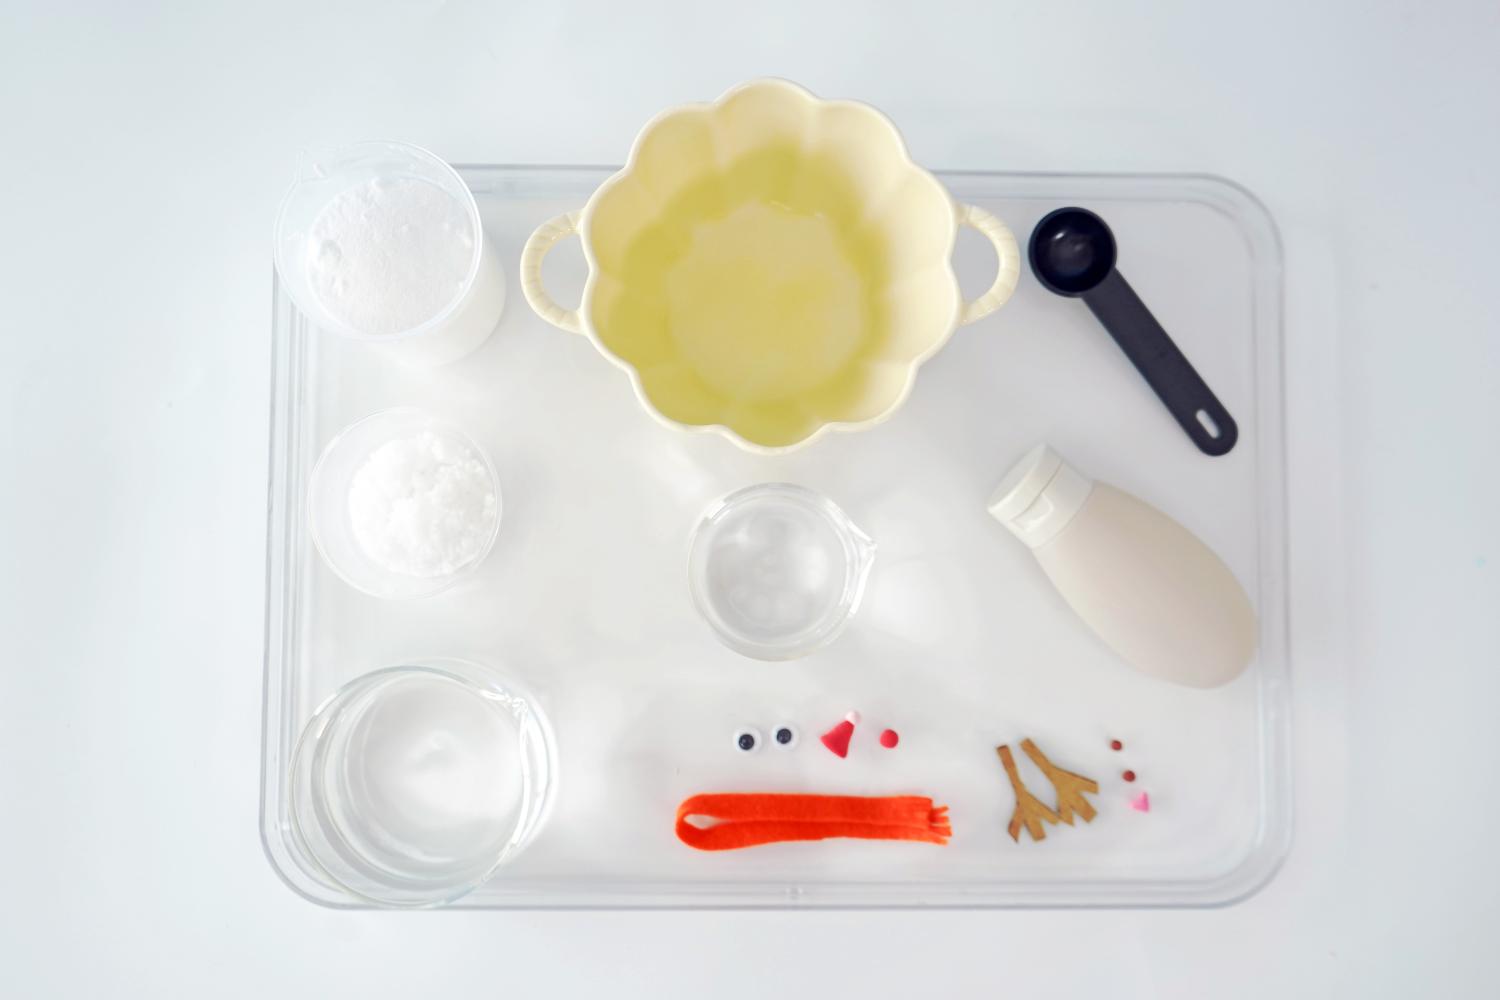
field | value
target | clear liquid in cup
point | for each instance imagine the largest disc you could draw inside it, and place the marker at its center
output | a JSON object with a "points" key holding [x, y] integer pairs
{"points": [[414, 784], [431, 776], [777, 570]]}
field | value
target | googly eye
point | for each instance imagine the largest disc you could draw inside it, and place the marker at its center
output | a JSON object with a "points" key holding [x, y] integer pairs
{"points": [[785, 736], [747, 740]]}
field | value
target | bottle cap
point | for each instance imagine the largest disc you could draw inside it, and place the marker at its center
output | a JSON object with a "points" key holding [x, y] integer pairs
{"points": [[1039, 496]]}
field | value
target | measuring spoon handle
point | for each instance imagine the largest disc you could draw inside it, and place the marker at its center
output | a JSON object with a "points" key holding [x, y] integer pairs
{"points": [[1165, 368]]}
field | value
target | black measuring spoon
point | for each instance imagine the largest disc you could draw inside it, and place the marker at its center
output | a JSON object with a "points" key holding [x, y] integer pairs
{"points": [[1072, 253]]}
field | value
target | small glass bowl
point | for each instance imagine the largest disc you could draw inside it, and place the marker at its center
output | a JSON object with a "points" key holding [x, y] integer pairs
{"points": [[412, 784], [777, 570], [328, 504], [455, 330]]}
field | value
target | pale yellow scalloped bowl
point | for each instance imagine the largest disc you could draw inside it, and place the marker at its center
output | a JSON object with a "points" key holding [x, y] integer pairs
{"points": [[770, 266]]}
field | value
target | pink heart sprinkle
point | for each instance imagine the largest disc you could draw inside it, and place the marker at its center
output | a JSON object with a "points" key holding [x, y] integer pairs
{"points": [[1141, 803]]}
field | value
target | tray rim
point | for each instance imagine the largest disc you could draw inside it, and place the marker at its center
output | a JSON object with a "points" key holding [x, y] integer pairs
{"points": [[1274, 835]]}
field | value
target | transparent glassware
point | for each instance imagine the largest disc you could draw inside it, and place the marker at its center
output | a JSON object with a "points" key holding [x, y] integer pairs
{"points": [[778, 570], [329, 518], [413, 784], [455, 330]]}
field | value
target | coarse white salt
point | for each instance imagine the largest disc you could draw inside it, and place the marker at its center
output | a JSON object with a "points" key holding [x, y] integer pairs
{"points": [[423, 505], [390, 254]]}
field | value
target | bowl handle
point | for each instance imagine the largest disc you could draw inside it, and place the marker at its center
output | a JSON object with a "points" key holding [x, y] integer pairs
{"points": [[532, 255], [1006, 250]]}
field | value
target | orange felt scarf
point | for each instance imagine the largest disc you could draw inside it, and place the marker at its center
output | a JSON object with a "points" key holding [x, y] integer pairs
{"points": [[745, 819]]}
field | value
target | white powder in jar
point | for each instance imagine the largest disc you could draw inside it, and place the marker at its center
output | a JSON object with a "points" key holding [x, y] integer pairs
{"points": [[423, 505], [390, 254]]}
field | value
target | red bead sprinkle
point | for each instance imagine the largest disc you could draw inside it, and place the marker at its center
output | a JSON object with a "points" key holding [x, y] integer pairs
{"points": [[1116, 745], [1128, 775], [889, 738]]}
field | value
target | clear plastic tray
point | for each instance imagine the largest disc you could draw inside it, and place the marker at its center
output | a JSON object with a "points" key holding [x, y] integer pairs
{"points": [[961, 644]]}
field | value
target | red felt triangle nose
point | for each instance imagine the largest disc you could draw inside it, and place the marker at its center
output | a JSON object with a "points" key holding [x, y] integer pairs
{"points": [[837, 739]]}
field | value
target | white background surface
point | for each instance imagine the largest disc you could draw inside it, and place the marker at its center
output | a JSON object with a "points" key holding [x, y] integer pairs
{"points": [[145, 149]]}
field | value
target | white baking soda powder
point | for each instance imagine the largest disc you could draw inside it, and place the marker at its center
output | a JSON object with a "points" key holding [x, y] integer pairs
{"points": [[390, 254], [423, 505]]}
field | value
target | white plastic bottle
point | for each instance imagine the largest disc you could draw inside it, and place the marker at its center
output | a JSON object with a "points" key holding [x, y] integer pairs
{"points": [[1146, 585]]}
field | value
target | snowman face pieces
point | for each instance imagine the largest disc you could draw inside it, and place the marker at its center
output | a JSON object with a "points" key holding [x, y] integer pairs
{"points": [[726, 821], [748, 739], [785, 736]]}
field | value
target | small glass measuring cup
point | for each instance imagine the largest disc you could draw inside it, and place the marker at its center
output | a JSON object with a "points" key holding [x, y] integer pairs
{"points": [[412, 784], [452, 332], [777, 570]]}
